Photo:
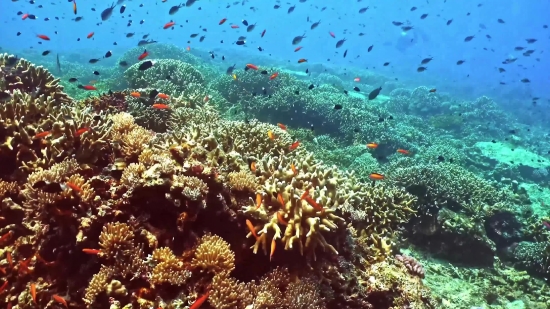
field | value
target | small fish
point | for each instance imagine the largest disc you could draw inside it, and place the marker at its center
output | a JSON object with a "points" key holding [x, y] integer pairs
{"points": [[291, 9], [258, 200], [423, 16], [302, 60], [372, 145], [143, 55], [363, 10], [357, 79], [253, 166], [403, 151], [107, 12], [73, 79], [282, 126], [252, 66], [163, 96], [376, 176], [370, 48], [271, 135], [91, 251], [314, 25], [332, 34], [433, 90], [294, 145], [298, 39], [263, 33], [222, 21], [168, 25], [74, 11], [373, 94], [426, 60], [87, 87], [273, 247], [251, 228], [173, 10], [459, 62], [449, 21], [146, 65], [60, 300], [46, 52], [122, 9], [160, 106], [43, 37], [421, 69], [135, 94], [93, 61], [340, 43], [469, 38]]}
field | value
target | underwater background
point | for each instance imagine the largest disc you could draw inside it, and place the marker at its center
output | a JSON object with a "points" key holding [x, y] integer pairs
{"points": [[274, 154]]}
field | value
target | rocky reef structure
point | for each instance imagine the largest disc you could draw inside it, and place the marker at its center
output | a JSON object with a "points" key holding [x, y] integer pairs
{"points": [[100, 212]]}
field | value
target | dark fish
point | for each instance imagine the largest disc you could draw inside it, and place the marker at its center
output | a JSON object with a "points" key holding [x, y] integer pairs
{"points": [[373, 94], [311, 86], [146, 65], [45, 53], [250, 28], [423, 16], [291, 9], [298, 39], [449, 21], [340, 43], [531, 41], [469, 38], [173, 10], [500, 21], [459, 62], [153, 93], [518, 48], [145, 42], [93, 60], [96, 73], [230, 69], [190, 2], [426, 60], [201, 38], [500, 70], [363, 10], [386, 64], [108, 54], [356, 89], [107, 12], [73, 79], [407, 28], [314, 25], [525, 80], [245, 22], [240, 42], [397, 23], [421, 69], [338, 106], [123, 63], [276, 6], [194, 35], [122, 9], [370, 48], [58, 63], [129, 35], [345, 53], [413, 8]]}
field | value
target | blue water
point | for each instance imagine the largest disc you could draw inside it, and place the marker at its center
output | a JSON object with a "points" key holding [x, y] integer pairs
{"points": [[477, 76]]}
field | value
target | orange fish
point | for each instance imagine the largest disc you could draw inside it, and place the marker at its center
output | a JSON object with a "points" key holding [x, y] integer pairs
{"points": [[403, 151], [161, 106], [253, 166], [135, 94], [282, 126], [234, 26], [188, 48], [271, 135], [41, 135], [376, 176], [143, 55], [87, 87], [222, 21], [251, 228], [74, 7], [25, 16], [258, 200], [302, 60], [273, 246], [293, 168], [252, 66], [372, 145], [73, 187], [43, 37], [281, 219], [199, 301], [9, 258], [297, 48], [6, 236], [163, 96], [274, 75], [33, 292], [280, 199], [81, 131], [433, 90], [90, 35], [168, 25], [294, 145], [3, 286], [91, 251], [312, 203], [60, 300]]}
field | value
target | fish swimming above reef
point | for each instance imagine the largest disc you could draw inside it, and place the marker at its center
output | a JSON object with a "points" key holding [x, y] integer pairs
{"points": [[107, 12]]}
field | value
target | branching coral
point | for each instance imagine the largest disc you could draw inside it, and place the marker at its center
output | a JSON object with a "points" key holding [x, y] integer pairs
{"points": [[214, 255], [168, 268]]}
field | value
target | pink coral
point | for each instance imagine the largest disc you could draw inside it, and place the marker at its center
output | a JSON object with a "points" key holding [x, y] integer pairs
{"points": [[412, 265]]}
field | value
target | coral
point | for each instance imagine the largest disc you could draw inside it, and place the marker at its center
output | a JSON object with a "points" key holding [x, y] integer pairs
{"points": [[193, 188], [106, 102], [412, 265], [168, 269], [228, 293], [214, 255], [242, 181], [98, 284], [20, 74]]}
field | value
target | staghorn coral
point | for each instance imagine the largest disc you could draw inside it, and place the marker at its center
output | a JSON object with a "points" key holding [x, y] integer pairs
{"points": [[214, 255], [98, 284]]}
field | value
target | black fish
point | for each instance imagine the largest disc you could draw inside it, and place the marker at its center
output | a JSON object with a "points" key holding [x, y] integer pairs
{"points": [[291, 9], [311, 86], [122, 9], [123, 64], [194, 35], [201, 38], [469, 38], [173, 10], [250, 28], [240, 42], [525, 80], [107, 12], [73, 79], [96, 73], [340, 43], [314, 25], [370, 48], [153, 93], [146, 65], [129, 35], [264, 72], [245, 22], [459, 62], [373, 94], [356, 89], [500, 21], [145, 42], [58, 63], [423, 16], [230, 69], [298, 39], [93, 60], [338, 106], [531, 41], [396, 23], [190, 3], [363, 10], [108, 54], [386, 64], [426, 60], [345, 53], [449, 21], [276, 6], [45, 53]]}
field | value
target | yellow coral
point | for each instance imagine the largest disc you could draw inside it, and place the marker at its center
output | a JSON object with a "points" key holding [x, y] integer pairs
{"points": [[242, 181], [214, 254], [116, 239], [98, 284]]}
